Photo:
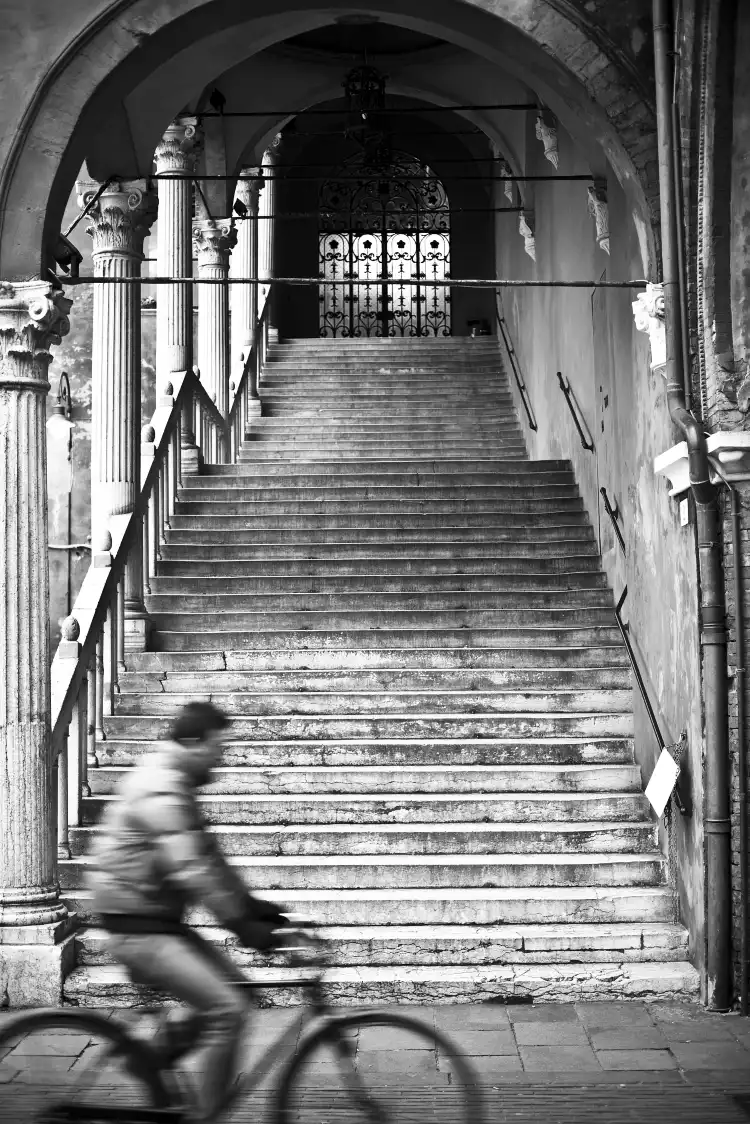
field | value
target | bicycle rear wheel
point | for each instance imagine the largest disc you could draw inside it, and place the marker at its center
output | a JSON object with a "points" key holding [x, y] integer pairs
{"points": [[378, 1069], [73, 1065]]}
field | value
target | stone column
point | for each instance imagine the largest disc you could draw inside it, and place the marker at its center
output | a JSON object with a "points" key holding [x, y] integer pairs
{"points": [[119, 222], [267, 223], [176, 155], [243, 298], [214, 240], [35, 946]]}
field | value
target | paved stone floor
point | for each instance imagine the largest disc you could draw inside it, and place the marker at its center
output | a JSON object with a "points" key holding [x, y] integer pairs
{"points": [[546, 1062]]}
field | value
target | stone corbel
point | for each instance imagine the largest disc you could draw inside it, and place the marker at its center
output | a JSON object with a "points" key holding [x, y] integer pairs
{"points": [[526, 229], [728, 458], [648, 310], [599, 211], [546, 132]]}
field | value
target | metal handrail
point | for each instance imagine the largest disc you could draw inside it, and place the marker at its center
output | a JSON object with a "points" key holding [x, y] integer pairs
{"points": [[679, 800], [613, 512], [565, 388], [516, 369]]}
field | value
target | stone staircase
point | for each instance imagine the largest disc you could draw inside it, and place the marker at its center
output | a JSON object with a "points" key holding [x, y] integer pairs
{"points": [[432, 744]]}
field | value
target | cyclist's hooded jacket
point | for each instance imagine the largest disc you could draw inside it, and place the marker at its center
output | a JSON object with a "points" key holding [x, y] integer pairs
{"points": [[154, 856]]}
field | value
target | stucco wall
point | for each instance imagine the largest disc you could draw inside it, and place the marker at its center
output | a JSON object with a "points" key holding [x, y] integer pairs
{"points": [[590, 336]]}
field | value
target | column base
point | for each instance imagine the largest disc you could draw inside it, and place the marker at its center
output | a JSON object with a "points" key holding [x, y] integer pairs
{"points": [[191, 460], [35, 961], [137, 631]]}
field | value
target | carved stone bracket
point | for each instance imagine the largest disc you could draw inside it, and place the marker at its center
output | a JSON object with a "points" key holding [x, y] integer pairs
{"points": [[179, 147], [526, 229], [648, 310], [214, 240], [599, 210], [33, 317], [506, 171], [546, 132], [121, 217]]}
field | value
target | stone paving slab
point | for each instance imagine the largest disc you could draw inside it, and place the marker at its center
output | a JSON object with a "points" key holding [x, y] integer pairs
{"points": [[542, 1057]]}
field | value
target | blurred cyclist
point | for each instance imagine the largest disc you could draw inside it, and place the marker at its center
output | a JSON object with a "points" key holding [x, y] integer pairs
{"points": [[153, 857]]}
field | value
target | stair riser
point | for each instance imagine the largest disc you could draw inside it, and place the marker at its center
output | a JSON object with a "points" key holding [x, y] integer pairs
{"points": [[383, 469], [519, 487], [182, 601], [597, 908], [580, 589], [129, 750], [427, 809], [510, 500], [357, 780], [416, 526], [427, 619], [497, 875], [381, 702], [363, 642], [357, 513], [467, 544], [420, 840], [578, 569], [592, 679]]}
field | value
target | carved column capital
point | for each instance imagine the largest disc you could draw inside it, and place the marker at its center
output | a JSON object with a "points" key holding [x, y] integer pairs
{"points": [[273, 151], [648, 311], [249, 187], [546, 132], [214, 239], [526, 229], [33, 316], [599, 210], [121, 217], [178, 148]]}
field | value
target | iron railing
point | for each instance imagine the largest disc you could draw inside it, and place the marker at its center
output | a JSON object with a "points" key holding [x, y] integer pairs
{"points": [[565, 387], [613, 513], [514, 366]]}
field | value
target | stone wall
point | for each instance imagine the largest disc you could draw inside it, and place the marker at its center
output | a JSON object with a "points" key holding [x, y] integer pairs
{"points": [[589, 335]]}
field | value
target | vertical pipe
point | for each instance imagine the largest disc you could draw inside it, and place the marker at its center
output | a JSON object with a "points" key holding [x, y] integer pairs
{"points": [[101, 644], [740, 680], [63, 844], [713, 624], [91, 758]]}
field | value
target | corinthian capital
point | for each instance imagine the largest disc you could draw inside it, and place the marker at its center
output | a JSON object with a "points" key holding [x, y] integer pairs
{"points": [[178, 148], [121, 217], [33, 316], [249, 187], [214, 239], [648, 310]]}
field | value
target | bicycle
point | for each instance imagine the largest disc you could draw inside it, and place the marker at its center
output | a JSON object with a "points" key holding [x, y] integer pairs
{"points": [[141, 1090]]}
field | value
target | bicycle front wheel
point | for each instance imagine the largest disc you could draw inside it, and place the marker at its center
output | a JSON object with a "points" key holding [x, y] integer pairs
{"points": [[73, 1065], [378, 1069]]}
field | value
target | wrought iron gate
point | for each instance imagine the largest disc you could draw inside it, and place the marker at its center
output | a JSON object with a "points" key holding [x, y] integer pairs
{"points": [[383, 231]]}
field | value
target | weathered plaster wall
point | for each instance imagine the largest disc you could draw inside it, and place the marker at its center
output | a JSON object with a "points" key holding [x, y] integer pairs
{"points": [[590, 336]]}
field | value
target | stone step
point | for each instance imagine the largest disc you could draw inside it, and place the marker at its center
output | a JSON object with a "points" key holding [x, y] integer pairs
{"points": [[384, 423], [409, 807], [530, 838], [388, 679], [508, 484], [185, 598], [551, 905], [460, 945], [539, 588], [258, 620], [317, 727], [180, 638], [338, 547], [278, 405], [128, 749], [524, 502], [422, 467], [390, 778], [403, 872], [443, 522], [543, 573], [263, 446]]}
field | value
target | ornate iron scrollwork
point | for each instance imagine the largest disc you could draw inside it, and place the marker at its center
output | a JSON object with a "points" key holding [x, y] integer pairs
{"points": [[383, 232]]}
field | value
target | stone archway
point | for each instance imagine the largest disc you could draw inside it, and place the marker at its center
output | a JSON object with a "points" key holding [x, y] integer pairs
{"points": [[139, 45]]}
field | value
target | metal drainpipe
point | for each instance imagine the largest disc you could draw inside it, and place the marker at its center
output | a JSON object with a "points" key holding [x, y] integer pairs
{"points": [[713, 608]]}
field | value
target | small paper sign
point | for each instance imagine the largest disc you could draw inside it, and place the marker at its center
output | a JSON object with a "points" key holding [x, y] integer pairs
{"points": [[663, 780]]}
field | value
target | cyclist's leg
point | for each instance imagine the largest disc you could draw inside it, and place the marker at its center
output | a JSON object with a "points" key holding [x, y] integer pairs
{"points": [[183, 969]]}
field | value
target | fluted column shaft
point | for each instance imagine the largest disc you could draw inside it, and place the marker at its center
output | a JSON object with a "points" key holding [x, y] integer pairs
{"points": [[175, 155], [119, 222], [32, 317], [243, 298], [214, 240]]}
